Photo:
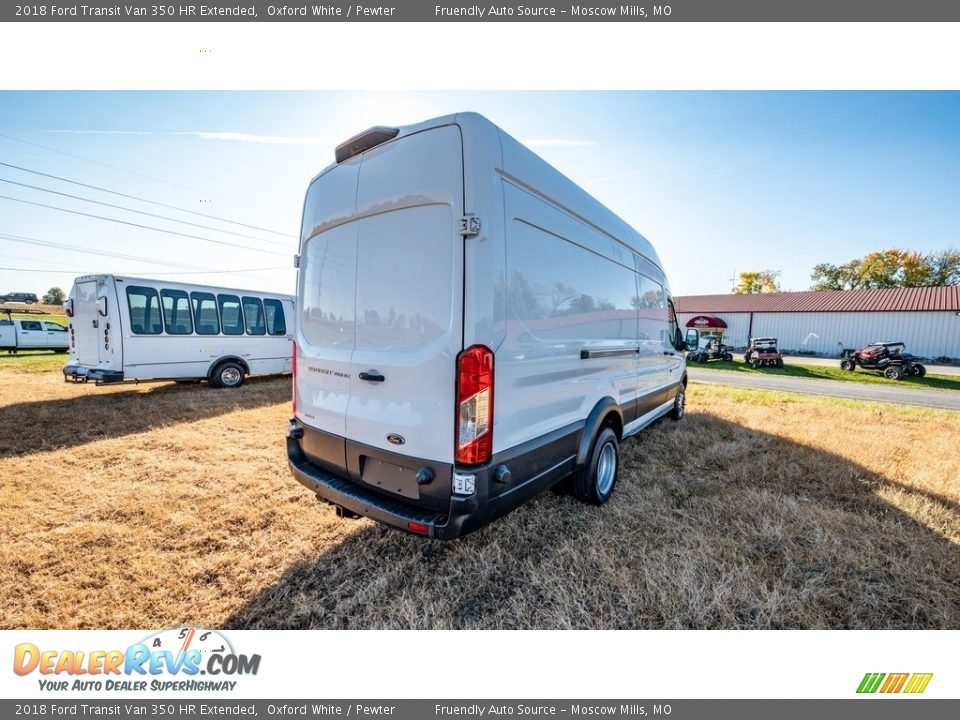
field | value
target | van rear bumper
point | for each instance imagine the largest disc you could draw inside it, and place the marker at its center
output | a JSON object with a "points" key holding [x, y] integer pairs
{"points": [[464, 515]]}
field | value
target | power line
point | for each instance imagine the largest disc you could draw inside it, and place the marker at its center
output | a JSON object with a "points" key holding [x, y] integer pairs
{"points": [[105, 253], [139, 212], [140, 199], [189, 272], [129, 172], [138, 225]]}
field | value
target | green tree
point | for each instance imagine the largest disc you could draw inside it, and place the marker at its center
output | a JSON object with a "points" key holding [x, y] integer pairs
{"points": [[54, 296], [893, 268], [944, 267], [757, 281]]}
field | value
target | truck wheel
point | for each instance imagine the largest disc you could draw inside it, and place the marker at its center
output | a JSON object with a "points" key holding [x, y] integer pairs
{"points": [[594, 483], [846, 364], [919, 370], [755, 364], [779, 363], [679, 403], [227, 375], [893, 373], [728, 357]]}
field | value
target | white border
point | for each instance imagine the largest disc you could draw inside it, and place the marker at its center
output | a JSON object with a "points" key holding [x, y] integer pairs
{"points": [[554, 664], [488, 56]]}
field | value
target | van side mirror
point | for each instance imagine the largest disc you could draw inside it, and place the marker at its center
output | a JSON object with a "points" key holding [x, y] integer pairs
{"points": [[693, 339], [678, 343], [102, 306]]}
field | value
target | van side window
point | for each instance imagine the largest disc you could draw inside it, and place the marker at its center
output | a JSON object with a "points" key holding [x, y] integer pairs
{"points": [[176, 312], [30, 325], [205, 313], [144, 310], [652, 305], [674, 325], [231, 318], [276, 323], [576, 297], [253, 313]]}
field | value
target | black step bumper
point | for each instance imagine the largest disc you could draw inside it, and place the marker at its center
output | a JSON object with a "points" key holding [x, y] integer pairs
{"points": [[462, 517]]}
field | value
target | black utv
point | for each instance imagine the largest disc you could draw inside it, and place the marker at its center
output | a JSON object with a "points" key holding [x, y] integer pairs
{"points": [[712, 350], [888, 358]]}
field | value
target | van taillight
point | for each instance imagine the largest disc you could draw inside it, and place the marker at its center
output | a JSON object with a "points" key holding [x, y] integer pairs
{"points": [[474, 405], [294, 378]]}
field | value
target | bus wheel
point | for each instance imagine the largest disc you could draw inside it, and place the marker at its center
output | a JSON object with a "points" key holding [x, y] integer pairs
{"points": [[227, 375]]}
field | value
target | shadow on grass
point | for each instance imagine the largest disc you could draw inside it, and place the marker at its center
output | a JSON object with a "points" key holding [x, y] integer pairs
{"points": [[36, 426], [750, 531], [868, 377]]}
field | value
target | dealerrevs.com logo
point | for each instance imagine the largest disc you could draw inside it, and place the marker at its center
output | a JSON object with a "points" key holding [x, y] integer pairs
{"points": [[177, 659], [910, 683]]}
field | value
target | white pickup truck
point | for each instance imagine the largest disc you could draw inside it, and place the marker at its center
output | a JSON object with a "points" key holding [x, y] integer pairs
{"points": [[19, 334]]}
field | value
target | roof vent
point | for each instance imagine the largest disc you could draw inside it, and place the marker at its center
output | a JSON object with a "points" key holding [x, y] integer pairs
{"points": [[364, 141]]}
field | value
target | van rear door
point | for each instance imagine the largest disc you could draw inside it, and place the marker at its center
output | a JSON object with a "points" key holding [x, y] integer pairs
{"points": [[382, 295], [86, 324], [409, 296]]}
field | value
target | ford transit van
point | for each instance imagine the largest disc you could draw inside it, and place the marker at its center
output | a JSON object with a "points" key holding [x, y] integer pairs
{"points": [[472, 329]]}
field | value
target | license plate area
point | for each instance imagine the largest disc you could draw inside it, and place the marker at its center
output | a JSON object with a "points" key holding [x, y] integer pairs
{"points": [[389, 477]]}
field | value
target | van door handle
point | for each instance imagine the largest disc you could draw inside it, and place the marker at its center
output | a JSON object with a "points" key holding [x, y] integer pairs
{"points": [[372, 376]]}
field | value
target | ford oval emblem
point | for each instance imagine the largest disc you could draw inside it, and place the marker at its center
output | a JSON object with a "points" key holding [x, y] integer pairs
{"points": [[396, 439]]}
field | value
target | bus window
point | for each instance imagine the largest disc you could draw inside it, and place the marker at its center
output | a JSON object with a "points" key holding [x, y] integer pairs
{"points": [[176, 312], [253, 313], [144, 310], [205, 313], [276, 323], [231, 318]]}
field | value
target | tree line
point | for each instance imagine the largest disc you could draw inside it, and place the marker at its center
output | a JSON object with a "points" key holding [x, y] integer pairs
{"points": [[893, 268]]}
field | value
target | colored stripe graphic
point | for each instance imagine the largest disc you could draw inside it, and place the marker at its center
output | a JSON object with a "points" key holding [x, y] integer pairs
{"points": [[870, 682], [918, 683], [895, 683]]}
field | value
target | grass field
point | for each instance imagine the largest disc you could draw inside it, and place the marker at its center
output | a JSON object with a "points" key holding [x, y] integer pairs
{"points": [[930, 381], [155, 505]]}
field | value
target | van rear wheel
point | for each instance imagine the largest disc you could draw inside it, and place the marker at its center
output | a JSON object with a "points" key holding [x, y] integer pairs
{"points": [[595, 482], [227, 375]]}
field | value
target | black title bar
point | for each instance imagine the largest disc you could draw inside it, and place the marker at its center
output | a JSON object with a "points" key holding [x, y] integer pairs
{"points": [[534, 11]]}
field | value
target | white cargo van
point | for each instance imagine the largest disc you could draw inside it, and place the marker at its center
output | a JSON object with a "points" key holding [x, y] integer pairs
{"points": [[127, 328], [472, 328]]}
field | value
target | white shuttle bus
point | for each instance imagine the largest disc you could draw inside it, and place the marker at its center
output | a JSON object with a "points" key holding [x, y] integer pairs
{"points": [[127, 328], [472, 328]]}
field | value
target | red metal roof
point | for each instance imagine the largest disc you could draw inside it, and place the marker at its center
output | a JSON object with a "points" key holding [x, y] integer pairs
{"points": [[887, 300]]}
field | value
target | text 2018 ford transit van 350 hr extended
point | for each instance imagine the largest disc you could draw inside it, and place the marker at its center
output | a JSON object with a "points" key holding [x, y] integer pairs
{"points": [[472, 328]]}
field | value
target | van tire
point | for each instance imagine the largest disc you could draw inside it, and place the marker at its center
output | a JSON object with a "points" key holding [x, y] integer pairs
{"points": [[227, 375], [594, 483], [679, 402]]}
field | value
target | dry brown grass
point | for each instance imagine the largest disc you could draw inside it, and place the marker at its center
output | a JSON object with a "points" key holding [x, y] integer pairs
{"points": [[156, 505]]}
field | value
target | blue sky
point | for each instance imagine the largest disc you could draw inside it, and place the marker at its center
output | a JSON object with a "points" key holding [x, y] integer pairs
{"points": [[719, 181]]}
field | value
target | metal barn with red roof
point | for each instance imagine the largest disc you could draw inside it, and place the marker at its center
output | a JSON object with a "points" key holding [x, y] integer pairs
{"points": [[825, 322]]}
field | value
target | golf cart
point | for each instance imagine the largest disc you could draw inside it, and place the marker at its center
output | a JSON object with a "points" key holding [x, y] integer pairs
{"points": [[762, 352], [713, 349], [887, 358]]}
